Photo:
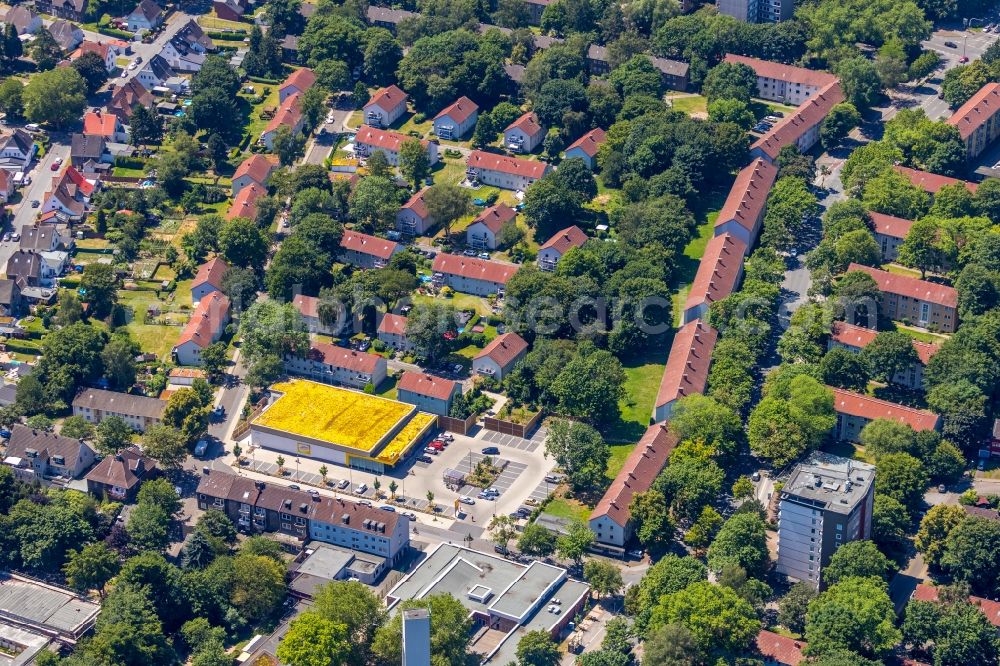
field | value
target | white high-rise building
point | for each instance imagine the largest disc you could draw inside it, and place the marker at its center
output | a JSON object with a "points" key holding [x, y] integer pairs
{"points": [[416, 637], [826, 502]]}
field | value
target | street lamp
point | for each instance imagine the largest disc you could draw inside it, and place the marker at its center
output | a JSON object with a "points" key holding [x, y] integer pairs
{"points": [[297, 477]]}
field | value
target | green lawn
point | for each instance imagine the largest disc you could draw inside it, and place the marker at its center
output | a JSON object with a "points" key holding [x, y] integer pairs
{"points": [[460, 301], [561, 507], [619, 452], [775, 106], [848, 450], [155, 338], [921, 335], [387, 389], [256, 124], [901, 270], [689, 104]]}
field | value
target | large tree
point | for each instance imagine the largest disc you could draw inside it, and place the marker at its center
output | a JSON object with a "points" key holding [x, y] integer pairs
{"points": [[742, 541], [972, 553], [719, 620], [856, 559], [450, 627], [580, 451], [855, 614]]}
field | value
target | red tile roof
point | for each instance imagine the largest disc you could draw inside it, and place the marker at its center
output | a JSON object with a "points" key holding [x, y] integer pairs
{"points": [[748, 195], [425, 384], [188, 373], [459, 110], [809, 114], [287, 115], [388, 98], [931, 182], [211, 272], [641, 468], [87, 46], [418, 205], [527, 123], [350, 359], [380, 138], [788, 73], [990, 608], [371, 245], [563, 241], [308, 306], [860, 337], [74, 181], [495, 217], [473, 268], [902, 285], [301, 79], [125, 469], [718, 272], [258, 167], [686, 371], [208, 318], [392, 324], [977, 111], [889, 225], [245, 203], [100, 124], [590, 142], [504, 164], [778, 649], [504, 349], [866, 407]]}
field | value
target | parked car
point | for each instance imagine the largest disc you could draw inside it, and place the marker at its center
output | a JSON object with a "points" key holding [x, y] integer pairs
{"points": [[446, 437], [294, 486], [425, 459], [484, 255], [386, 507], [951, 45], [491, 451], [35, 203], [54, 167], [437, 446], [469, 253], [553, 478], [635, 554], [523, 512], [343, 484], [201, 448], [6, 237], [431, 450], [361, 489], [465, 499], [964, 59]]}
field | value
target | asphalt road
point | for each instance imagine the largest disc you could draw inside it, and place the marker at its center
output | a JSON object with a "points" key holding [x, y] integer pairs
{"points": [[175, 22], [41, 182]]}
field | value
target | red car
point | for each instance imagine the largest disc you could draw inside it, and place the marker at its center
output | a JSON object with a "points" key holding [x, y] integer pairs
{"points": [[437, 446], [54, 167], [964, 59]]}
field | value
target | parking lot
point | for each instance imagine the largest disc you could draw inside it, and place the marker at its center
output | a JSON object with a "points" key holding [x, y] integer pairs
{"points": [[529, 445]]}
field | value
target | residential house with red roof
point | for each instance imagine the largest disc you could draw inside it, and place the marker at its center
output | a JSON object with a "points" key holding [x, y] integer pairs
{"points": [[855, 338], [471, 275], [207, 324], [977, 120], [890, 232], [296, 83], [371, 139], [855, 411], [208, 279], [103, 50], [385, 107], [457, 119], [245, 202], [308, 307], [69, 196], [778, 650], [429, 393], [718, 275], [586, 147], [366, 251], [500, 356], [289, 114], [483, 231], [686, 371], [254, 170], [611, 519], [106, 125], [126, 97], [801, 128], [503, 171], [119, 476], [913, 301], [413, 219], [932, 182], [392, 331], [743, 212], [784, 83], [990, 608], [561, 242], [524, 134], [330, 364]]}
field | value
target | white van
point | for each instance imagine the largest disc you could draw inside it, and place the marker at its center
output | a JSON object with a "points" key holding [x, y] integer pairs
{"points": [[33, 127]]}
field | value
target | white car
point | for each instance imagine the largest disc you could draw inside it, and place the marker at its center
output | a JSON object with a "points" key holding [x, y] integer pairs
{"points": [[465, 499], [343, 484], [361, 489], [132, 65]]}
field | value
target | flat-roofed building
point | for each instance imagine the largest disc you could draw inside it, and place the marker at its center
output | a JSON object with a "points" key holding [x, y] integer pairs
{"points": [[914, 301], [34, 613]]}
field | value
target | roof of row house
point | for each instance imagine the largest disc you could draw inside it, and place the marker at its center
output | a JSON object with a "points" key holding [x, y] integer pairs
{"points": [[147, 9], [991, 609], [301, 79], [23, 266], [100, 124], [788, 73], [120, 403], [428, 385], [37, 238], [388, 98], [211, 272], [208, 317], [87, 147], [527, 123], [641, 468], [417, 204], [191, 34], [349, 359], [459, 110], [129, 94], [388, 15], [809, 114], [65, 33], [890, 225], [124, 469], [686, 371], [903, 285], [566, 239], [670, 67], [20, 17], [258, 167], [504, 349], [287, 115], [718, 272], [495, 217], [354, 241], [974, 113], [479, 159], [384, 139], [590, 142], [473, 268], [748, 195], [867, 407], [308, 306], [931, 182], [778, 649], [860, 337], [48, 444], [245, 202], [18, 139], [392, 324]]}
